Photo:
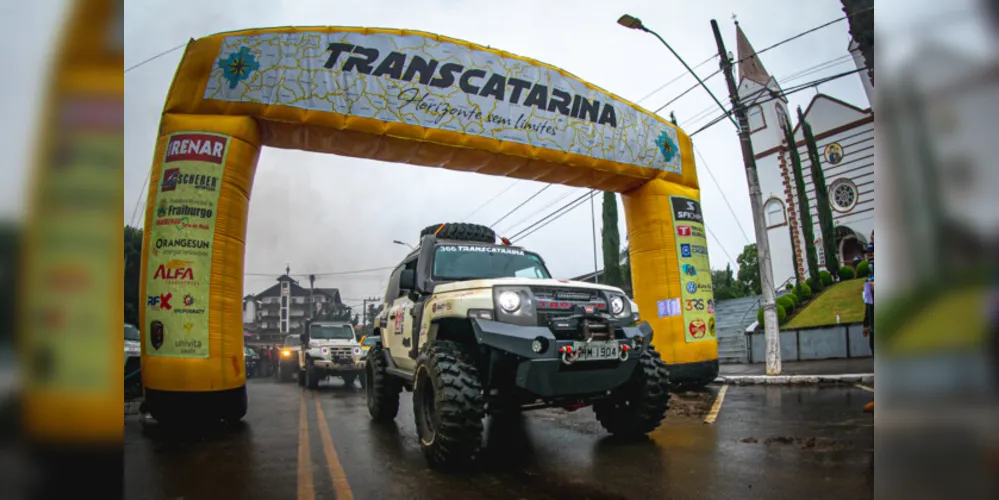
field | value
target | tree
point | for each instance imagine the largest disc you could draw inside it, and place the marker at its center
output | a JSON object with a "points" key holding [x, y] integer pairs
{"points": [[861, 21], [626, 284], [611, 242], [749, 270], [804, 211], [10, 257], [133, 267], [725, 285], [821, 198]]}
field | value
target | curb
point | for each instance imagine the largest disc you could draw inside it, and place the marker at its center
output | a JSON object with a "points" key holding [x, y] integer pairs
{"points": [[854, 378]]}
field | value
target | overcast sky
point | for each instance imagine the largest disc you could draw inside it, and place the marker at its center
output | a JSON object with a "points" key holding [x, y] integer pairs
{"points": [[322, 213]]}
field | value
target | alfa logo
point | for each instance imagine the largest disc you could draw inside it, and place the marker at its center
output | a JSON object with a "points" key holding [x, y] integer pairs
{"points": [[156, 334], [188, 300], [667, 147], [238, 66], [162, 301], [174, 270]]}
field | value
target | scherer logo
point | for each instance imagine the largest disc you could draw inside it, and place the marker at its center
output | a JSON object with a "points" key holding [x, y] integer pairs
{"points": [[161, 301], [175, 270], [172, 177]]}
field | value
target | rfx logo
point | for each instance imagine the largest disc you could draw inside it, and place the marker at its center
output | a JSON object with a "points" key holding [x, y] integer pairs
{"points": [[162, 301]]}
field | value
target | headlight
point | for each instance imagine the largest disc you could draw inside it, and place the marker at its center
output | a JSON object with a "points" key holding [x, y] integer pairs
{"points": [[357, 351], [509, 301], [286, 353], [617, 305], [325, 350]]}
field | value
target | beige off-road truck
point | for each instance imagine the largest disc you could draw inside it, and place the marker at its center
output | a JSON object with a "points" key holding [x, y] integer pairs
{"points": [[329, 349], [472, 328]]}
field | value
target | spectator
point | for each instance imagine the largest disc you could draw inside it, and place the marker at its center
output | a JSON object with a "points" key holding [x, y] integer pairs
{"points": [[275, 358], [868, 296]]}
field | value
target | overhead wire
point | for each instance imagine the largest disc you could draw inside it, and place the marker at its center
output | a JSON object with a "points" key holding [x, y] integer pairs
{"points": [[157, 56], [578, 202], [525, 202], [490, 200], [704, 164], [676, 79], [538, 211]]}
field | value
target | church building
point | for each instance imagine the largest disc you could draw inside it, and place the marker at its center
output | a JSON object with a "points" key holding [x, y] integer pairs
{"points": [[844, 136]]}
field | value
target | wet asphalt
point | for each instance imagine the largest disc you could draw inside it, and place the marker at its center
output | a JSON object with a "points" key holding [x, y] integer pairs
{"points": [[767, 442]]}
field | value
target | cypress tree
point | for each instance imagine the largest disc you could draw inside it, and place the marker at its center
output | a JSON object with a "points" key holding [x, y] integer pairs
{"points": [[804, 212], [821, 199], [611, 242]]}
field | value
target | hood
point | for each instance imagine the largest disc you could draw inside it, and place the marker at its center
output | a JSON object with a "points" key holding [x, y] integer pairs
{"points": [[488, 283]]}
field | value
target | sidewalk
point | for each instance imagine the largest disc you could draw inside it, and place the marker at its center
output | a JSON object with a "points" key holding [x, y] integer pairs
{"points": [[857, 370]]}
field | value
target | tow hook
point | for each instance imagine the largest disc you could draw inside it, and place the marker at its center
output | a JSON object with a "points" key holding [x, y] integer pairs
{"points": [[573, 407], [569, 355], [624, 352]]}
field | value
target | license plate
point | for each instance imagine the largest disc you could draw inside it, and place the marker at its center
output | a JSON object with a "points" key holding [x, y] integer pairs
{"points": [[597, 351]]}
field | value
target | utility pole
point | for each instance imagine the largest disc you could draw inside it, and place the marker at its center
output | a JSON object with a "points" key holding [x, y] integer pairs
{"points": [[312, 296], [772, 333], [365, 313]]}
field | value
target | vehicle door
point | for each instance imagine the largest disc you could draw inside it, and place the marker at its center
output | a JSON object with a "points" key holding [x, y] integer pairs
{"points": [[400, 321]]}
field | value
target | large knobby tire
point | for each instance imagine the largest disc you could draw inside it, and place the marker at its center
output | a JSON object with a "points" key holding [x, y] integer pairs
{"points": [[311, 377], [448, 406], [639, 406], [461, 231], [382, 388]]}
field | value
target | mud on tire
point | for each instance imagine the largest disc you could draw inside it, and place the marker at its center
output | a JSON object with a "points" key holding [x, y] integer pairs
{"points": [[639, 406], [448, 406], [382, 389], [461, 231]]}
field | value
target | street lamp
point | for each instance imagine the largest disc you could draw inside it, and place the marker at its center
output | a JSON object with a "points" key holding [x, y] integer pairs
{"points": [[403, 243], [635, 23]]}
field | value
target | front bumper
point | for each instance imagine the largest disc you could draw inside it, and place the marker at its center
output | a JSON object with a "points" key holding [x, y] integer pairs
{"points": [[338, 365], [544, 374]]}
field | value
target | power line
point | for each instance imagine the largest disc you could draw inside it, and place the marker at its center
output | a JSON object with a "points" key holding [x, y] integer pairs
{"points": [[785, 93], [758, 52], [157, 56], [543, 188], [550, 215], [490, 200], [538, 211], [135, 211], [677, 78], [564, 210], [332, 273], [704, 163]]}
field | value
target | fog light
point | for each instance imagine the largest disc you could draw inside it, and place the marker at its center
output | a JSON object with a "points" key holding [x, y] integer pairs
{"points": [[539, 345]]}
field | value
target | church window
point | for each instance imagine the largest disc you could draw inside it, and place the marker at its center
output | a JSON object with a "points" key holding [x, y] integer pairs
{"points": [[843, 195], [774, 210], [756, 120]]}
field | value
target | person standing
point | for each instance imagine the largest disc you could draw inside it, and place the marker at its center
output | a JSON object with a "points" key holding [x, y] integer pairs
{"points": [[869, 305], [275, 358]]}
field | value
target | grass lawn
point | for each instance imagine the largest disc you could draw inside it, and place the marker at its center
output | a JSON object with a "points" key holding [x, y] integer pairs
{"points": [[842, 298]]}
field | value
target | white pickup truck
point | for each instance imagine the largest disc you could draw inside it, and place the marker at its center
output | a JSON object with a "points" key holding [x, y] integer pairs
{"points": [[329, 349]]}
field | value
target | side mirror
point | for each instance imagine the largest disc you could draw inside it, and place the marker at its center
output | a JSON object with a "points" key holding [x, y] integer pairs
{"points": [[407, 280]]}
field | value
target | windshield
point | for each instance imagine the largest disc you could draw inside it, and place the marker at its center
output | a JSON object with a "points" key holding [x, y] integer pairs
{"points": [[249, 352], [341, 332], [131, 333], [292, 341], [370, 341], [465, 262]]}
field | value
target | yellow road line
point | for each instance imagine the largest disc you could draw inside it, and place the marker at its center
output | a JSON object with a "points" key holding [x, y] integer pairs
{"points": [[306, 490], [864, 387], [340, 485], [715, 408]]}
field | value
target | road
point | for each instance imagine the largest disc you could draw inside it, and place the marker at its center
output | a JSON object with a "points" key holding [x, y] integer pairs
{"points": [[766, 442]]}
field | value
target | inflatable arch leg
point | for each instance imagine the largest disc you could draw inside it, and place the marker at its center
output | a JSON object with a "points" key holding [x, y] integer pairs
{"points": [[192, 353], [666, 243]]}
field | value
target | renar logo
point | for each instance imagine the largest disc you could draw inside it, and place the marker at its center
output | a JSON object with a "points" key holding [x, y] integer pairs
{"points": [[174, 270], [162, 301], [196, 147]]}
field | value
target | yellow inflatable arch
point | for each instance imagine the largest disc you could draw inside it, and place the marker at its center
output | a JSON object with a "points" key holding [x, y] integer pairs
{"points": [[400, 96]]}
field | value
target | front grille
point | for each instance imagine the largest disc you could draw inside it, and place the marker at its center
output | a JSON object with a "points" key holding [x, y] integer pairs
{"points": [[555, 303]]}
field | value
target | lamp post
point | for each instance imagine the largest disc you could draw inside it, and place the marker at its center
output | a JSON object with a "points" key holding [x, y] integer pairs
{"points": [[635, 23], [403, 243]]}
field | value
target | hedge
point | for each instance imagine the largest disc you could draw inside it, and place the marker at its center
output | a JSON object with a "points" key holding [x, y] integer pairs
{"points": [[826, 278], [863, 269], [786, 302], [781, 315], [803, 291], [846, 273]]}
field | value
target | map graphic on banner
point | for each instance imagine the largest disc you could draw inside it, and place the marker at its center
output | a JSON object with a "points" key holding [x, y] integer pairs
{"points": [[440, 85], [697, 297], [180, 240]]}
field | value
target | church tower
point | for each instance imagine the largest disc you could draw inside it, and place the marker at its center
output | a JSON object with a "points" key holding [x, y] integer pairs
{"points": [[766, 106]]}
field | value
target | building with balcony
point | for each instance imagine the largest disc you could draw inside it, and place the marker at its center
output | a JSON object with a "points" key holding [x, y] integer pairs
{"points": [[271, 315]]}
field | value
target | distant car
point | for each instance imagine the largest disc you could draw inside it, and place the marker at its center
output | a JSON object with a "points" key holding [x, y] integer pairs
{"points": [[367, 343], [288, 363], [252, 361], [133, 362]]}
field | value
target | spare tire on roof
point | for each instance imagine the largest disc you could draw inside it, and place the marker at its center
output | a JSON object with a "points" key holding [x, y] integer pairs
{"points": [[461, 231]]}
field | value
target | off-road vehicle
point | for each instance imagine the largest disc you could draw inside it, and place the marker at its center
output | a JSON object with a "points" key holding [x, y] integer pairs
{"points": [[473, 328], [288, 363], [329, 349]]}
